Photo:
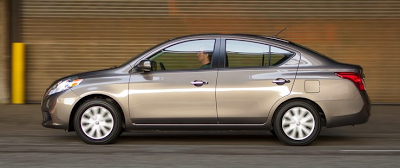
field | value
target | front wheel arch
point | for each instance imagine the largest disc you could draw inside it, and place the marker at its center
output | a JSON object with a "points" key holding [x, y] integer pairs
{"points": [[94, 96]]}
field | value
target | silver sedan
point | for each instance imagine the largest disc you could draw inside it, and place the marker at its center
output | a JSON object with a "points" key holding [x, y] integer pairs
{"points": [[212, 82]]}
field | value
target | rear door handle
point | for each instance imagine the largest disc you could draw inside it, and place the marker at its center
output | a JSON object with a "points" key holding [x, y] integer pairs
{"points": [[198, 82], [280, 81]]}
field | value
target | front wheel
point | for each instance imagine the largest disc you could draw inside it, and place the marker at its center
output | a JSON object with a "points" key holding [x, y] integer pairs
{"points": [[98, 121], [297, 123]]}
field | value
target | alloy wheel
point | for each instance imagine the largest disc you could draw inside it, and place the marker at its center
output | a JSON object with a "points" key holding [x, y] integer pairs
{"points": [[298, 123], [97, 122]]}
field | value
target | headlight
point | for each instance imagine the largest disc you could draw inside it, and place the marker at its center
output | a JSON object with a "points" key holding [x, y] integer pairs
{"points": [[63, 85]]}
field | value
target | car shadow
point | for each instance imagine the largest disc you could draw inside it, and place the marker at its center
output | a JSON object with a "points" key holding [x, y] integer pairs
{"points": [[225, 139], [215, 138]]}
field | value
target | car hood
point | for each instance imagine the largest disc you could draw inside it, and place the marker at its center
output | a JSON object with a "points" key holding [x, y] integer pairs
{"points": [[90, 74]]}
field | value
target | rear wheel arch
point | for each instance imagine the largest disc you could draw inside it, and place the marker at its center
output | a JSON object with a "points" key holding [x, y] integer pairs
{"points": [[94, 96], [297, 123], [314, 104]]}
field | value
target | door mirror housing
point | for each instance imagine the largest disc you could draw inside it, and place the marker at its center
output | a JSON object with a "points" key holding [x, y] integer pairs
{"points": [[146, 66]]}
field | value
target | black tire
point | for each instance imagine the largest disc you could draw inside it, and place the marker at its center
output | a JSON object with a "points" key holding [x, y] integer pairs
{"points": [[273, 132], [291, 112], [114, 114]]}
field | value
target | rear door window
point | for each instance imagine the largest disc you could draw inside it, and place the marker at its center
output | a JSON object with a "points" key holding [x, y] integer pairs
{"points": [[251, 54]]}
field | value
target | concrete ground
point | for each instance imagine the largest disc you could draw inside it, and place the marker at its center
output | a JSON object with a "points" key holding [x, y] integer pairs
{"points": [[25, 143]]}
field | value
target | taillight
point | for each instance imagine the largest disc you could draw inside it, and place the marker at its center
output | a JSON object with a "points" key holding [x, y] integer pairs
{"points": [[355, 77]]}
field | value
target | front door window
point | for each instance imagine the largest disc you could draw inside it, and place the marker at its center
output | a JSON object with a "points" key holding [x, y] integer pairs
{"points": [[186, 56]]}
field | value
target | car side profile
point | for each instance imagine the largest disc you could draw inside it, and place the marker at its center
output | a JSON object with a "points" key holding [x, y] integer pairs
{"points": [[212, 82]]}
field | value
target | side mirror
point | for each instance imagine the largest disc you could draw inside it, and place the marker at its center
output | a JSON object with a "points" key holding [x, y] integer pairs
{"points": [[146, 66]]}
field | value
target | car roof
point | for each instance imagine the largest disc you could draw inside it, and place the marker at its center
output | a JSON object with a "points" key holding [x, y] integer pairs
{"points": [[230, 36], [296, 46]]}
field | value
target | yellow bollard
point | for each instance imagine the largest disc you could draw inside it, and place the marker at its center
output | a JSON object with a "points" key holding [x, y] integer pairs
{"points": [[18, 73]]}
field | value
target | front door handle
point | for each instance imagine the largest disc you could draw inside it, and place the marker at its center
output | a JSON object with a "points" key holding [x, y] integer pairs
{"points": [[198, 82], [280, 81]]}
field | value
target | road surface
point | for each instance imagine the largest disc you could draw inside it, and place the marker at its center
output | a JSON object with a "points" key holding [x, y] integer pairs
{"points": [[25, 143]]}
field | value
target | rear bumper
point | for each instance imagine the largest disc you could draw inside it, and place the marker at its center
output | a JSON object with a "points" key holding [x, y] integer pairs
{"points": [[352, 119], [348, 116]]}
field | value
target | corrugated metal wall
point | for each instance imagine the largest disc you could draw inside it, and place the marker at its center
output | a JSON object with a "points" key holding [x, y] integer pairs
{"points": [[68, 36], [4, 54]]}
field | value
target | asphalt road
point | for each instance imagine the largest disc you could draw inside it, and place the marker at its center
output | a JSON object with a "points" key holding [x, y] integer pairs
{"points": [[25, 143]]}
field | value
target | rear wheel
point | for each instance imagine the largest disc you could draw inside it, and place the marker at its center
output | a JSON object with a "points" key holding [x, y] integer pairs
{"points": [[98, 121], [297, 123]]}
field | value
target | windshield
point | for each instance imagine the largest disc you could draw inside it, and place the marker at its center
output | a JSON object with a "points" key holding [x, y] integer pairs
{"points": [[134, 57]]}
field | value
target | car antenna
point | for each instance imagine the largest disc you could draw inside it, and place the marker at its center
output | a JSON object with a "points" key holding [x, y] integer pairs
{"points": [[279, 32]]}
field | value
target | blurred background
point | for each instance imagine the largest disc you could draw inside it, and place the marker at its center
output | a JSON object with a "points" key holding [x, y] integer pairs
{"points": [[63, 37]]}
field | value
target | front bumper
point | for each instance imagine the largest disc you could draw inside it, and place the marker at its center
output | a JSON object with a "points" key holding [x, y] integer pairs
{"points": [[57, 108]]}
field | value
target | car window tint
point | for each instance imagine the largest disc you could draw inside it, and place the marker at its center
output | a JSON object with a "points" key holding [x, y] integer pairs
{"points": [[250, 54], [245, 54], [245, 47], [279, 56], [193, 46], [183, 56]]}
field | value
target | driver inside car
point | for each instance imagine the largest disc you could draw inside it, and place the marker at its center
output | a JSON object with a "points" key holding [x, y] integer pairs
{"points": [[205, 59]]}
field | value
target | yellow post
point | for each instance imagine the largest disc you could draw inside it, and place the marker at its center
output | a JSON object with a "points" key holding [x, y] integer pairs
{"points": [[18, 73]]}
